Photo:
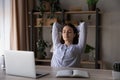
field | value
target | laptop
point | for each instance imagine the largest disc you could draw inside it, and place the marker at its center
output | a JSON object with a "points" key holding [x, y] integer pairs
{"points": [[21, 63]]}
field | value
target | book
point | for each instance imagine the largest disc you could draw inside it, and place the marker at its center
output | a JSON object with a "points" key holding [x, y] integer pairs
{"points": [[72, 73]]}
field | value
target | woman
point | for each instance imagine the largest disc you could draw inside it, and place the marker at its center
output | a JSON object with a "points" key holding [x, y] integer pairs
{"points": [[67, 51]]}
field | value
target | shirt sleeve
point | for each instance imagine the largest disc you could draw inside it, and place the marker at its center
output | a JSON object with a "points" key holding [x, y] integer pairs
{"points": [[56, 29], [82, 28]]}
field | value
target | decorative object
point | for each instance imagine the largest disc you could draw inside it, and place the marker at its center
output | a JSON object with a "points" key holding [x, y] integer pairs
{"points": [[39, 22], [41, 46], [92, 4], [116, 71], [50, 21]]}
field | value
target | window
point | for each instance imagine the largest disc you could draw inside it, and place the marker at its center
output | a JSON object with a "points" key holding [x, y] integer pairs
{"points": [[5, 23]]}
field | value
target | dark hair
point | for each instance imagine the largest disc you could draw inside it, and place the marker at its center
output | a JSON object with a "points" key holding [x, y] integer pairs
{"points": [[75, 40]]}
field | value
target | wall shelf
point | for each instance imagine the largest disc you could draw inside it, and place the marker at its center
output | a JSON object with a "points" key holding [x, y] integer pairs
{"points": [[68, 12], [96, 13]]}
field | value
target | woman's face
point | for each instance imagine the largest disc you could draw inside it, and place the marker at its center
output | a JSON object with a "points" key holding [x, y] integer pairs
{"points": [[68, 34]]}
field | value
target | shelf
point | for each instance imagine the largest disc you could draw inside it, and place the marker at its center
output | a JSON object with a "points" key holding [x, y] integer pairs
{"points": [[91, 26], [68, 12], [43, 60], [63, 14], [81, 12]]}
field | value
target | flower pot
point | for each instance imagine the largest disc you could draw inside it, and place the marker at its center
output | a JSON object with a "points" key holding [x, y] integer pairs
{"points": [[91, 7], [40, 55], [116, 75]]}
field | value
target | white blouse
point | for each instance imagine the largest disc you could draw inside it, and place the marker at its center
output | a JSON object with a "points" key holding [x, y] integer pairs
{"points": [[67, 56]]}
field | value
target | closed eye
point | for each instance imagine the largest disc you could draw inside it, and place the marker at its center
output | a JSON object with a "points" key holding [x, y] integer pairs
{"points": [[66, 32]]}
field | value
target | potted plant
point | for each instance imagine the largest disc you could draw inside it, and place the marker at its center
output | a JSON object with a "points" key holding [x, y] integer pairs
{"points": [[54, 6], [88, 48], [92, 4], [47, 5], [42, 6], [41, 46], [116, 71], [88, 54]]}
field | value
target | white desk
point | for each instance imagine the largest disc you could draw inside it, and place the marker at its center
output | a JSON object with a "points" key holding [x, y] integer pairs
{"points": [[95, 74]]}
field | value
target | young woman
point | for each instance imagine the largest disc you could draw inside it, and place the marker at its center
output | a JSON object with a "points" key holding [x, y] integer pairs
{"points": [[67, 50]]}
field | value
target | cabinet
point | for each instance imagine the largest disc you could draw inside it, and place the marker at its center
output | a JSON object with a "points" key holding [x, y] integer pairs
{"points": [[33, 30]]}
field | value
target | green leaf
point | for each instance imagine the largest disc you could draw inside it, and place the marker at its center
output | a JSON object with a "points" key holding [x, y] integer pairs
{"points": [[88, 48]]}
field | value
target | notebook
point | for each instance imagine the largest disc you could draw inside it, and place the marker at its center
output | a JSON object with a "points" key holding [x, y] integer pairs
{"points": [[72, 73], [21, 63]]}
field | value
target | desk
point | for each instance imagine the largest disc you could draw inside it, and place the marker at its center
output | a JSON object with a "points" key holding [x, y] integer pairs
{"points": [[95, 74]]}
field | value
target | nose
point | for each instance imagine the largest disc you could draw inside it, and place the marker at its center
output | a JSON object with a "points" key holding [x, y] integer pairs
{"points": [[67, 34]]}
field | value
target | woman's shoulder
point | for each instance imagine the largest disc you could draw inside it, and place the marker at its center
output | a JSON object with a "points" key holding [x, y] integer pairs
{"points": [[57, 46]]}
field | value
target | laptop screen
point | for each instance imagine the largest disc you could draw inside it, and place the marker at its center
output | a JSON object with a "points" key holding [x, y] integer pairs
{"points": [[21, 63]]}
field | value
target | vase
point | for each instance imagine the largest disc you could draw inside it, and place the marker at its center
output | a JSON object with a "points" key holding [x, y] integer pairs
{"points": [[91, 7]]}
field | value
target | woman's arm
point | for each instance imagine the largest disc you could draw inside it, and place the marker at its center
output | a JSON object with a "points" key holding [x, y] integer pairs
{"points": [[55, 33], [82, 34]]}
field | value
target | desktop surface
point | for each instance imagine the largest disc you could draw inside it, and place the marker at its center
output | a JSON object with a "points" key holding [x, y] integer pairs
{"points": [[95, 74]]}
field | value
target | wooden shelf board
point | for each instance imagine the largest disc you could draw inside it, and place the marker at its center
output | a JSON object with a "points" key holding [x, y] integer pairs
{"points": [[69, 12], [43, 60], [81, 12], [91, 26], [50, 26]]}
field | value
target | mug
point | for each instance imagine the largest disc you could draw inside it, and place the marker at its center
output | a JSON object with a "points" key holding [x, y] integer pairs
{"points": [[116, 75]]}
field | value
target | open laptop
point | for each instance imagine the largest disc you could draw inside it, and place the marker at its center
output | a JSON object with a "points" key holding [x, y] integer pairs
{"points": [[21, 63]]}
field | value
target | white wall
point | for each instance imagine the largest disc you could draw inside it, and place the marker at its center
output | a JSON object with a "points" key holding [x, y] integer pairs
{"points": [[110, 31], [110, 27]]}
